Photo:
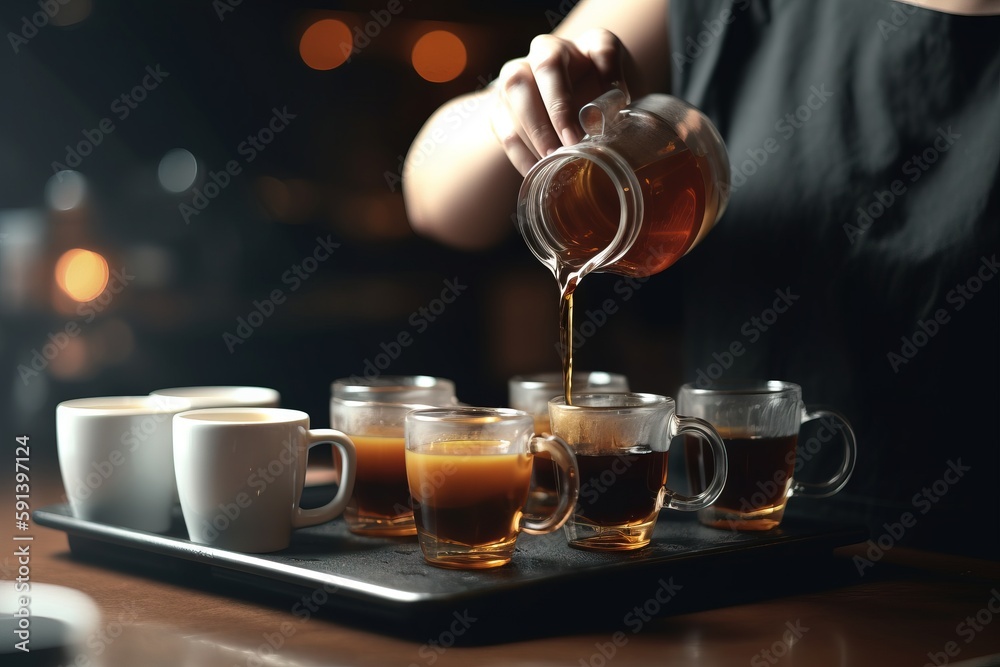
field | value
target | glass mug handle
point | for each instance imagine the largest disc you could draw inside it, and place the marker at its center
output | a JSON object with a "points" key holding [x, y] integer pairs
{"points": [[310, 517], [843, 474], [694, 426], [567, 481]]}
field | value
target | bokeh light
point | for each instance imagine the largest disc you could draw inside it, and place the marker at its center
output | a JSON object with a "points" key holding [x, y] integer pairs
{"points": [[274, 196], [177, 171], [82, 274], [71, 12], [72, 361], [326, 44], [439, 56], [290, 200], [65, 190], [112, 342]]}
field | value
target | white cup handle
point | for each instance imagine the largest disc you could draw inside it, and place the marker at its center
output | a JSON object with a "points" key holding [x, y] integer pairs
{"points": [[310, 517]]}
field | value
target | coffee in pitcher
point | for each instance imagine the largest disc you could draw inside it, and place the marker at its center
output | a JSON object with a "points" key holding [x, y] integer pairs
{"points": [[644, 186]]}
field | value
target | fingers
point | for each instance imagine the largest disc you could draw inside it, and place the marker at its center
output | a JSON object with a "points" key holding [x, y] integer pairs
{"points": [[510, 135], [606, 52], [537, 98], [550, 59]]}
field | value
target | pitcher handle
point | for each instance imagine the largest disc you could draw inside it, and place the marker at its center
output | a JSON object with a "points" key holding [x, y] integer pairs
{"points": [[597, 116]]}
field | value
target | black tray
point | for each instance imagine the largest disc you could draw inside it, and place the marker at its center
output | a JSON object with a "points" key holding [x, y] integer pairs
{"points": [[385, 581]]}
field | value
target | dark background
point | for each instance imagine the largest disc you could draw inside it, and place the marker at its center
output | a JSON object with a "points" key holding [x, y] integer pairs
{"points": [[328, 174]]}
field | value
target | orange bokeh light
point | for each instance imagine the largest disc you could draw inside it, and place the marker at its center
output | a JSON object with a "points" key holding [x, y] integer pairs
{"points": [[326, 44], [439, 56], [82, 274]]}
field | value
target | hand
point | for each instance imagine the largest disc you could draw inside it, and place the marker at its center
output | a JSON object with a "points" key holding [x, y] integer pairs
{"points": [[538, 97]]}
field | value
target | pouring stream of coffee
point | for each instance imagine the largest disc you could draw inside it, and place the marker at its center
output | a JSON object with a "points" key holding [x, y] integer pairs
{"points": [[642, 188], [566, 333]]}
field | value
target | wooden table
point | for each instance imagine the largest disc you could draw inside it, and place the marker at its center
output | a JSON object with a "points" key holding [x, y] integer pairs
{"points": [[907, 608]]}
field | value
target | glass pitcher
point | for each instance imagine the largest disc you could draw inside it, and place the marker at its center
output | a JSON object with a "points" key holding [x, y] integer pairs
{"points": [[643, 187]]}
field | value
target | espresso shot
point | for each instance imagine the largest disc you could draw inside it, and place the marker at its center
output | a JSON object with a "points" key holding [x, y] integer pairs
{"points": [[532, 393], [371, 412], [759, 422], [469, 473], [464, 503], [760, 476], [621, 441], [381, 498], [619, 487]]}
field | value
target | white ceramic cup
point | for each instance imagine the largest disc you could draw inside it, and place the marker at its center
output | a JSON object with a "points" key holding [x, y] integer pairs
{"points": [[240, 474], [224, 396], [116, 458]]}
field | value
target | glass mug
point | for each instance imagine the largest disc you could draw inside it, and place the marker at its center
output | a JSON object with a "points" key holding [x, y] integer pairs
{"points": [[532, 393], [371, 412], [380, 504], [395, 389], [621, 443], [469, 472], [643, 187], [759, 423]]}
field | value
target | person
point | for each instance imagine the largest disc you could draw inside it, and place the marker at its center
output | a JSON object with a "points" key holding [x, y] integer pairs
{"points": [[857, 256]]}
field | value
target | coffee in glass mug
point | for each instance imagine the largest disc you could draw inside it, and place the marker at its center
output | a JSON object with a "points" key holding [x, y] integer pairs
{"points": [[469, 474], [621, 443], [759, 423], [371, 412]]}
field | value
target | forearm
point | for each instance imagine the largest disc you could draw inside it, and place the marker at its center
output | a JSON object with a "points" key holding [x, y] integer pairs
{"points": [[458, 185]]}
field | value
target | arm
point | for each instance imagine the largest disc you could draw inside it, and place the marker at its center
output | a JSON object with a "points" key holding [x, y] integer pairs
{"points": [[463, 170]]}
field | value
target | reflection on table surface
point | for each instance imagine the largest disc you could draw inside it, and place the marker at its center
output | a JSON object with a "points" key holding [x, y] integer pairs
{"points": [[905, 608]]}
